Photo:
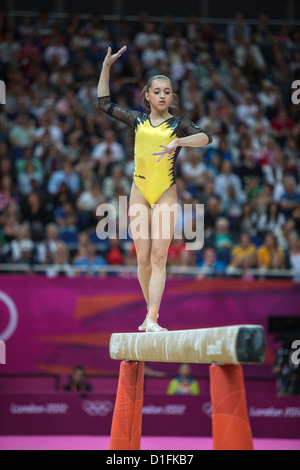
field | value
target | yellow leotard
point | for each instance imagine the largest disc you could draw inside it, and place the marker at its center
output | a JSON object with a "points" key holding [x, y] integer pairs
{"points": [[152, 177]]}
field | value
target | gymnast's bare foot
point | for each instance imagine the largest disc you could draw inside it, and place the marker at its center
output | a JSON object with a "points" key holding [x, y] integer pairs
{"points": [[152, 327], [143, 326]]}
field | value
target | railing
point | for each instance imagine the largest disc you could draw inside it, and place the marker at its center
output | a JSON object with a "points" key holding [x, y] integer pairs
{"points": [[185, 271], [154, 19]]}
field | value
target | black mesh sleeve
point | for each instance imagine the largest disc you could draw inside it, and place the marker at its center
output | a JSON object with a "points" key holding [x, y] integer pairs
{"points": [[187, 127], [117, 112]]}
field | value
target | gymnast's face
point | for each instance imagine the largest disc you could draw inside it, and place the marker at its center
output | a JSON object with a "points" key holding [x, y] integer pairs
{"points": [[160, 94]]}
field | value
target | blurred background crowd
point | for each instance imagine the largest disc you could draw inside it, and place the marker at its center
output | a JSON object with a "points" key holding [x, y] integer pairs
{"points": [[61, 157]]}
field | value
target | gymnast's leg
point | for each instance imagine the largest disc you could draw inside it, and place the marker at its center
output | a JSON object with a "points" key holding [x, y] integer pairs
{"points": [[163, 222], [142, 241]]}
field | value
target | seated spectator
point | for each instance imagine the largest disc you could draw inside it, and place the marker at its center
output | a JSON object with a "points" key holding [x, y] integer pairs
{"points": [[7, 192], [222, 235], [184, 383], [56, 53], [22, 248], [46, 249], [290, 198], [177, 245], [116, 180], [115, 254], [87, 203], [284, 232], [266, 251], [37, 214], [10, 221], [65, 175], [152, 56], [272, 220], [210, 266], [77, 382], [22, 134], [245, 250], [108, 152], [226, 178], [233, 204], [213, 210], [247, 222], [249, 168], [65, 217], [61, 262], [21, 163], [89, 262], [29, 179], [293, 256], [281, 127], [193, 170], [277, 262]]}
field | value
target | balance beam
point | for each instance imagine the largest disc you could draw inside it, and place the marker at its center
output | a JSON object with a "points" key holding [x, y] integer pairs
{"points": [[238, 344]]}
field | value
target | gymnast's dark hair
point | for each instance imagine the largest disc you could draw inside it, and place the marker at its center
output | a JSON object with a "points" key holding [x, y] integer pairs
{"points": [[145, 103]]}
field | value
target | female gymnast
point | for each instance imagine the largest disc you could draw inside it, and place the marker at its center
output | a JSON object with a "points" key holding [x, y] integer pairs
{"points": [[159, 137]]}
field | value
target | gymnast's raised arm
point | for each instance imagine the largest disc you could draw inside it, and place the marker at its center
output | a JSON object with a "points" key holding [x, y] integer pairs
{"points": [[104, 101]]}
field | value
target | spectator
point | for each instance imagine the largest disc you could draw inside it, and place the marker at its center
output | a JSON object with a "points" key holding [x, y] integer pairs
{"points": [[22, 247], [116, 180], [226, 178], [245, 251], [290, 198], [56, 53], [7, 193], [184, 383], [22, 134], [272, 220], [87, 203], [247, 222], [293, 256], [89, 262], [193, 170], [65, 216], [65, 175], [210, 266], [77, 381], [115, 254], [61, 262], [108, 152], [238, 28], [46, 249], [223, 241], [267, 250], [281, 127]]}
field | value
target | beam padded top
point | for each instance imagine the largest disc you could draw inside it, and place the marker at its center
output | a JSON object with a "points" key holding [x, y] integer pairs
{"points": [[237, 344]]}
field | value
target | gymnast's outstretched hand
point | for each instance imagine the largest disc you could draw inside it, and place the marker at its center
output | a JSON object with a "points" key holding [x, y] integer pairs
{"points": [[111, 58], [167, 150]]}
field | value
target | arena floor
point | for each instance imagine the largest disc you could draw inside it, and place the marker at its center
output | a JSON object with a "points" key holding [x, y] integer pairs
{"points": [[147, 443]]}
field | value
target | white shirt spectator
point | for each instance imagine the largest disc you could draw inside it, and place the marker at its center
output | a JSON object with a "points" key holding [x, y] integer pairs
{"points": [[57, 52], [116, 150]]}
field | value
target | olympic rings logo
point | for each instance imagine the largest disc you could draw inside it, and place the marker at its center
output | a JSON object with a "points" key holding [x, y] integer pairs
{"points": [[13, 317], [97, 408]]}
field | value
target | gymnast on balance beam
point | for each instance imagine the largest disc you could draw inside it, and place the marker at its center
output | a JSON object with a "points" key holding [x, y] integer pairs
{"points": [[157, 133]]}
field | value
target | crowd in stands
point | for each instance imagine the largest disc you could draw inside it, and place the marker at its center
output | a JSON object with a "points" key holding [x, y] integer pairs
{"points": [[61, 157]]}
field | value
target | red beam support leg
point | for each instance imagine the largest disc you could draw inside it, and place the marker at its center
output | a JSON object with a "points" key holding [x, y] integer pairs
{"points": [[230, 421], [126, 426]]}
